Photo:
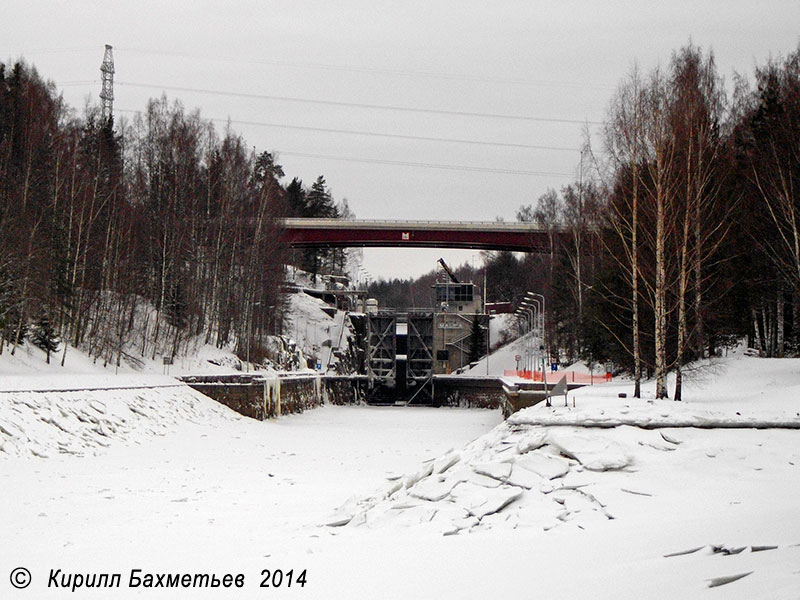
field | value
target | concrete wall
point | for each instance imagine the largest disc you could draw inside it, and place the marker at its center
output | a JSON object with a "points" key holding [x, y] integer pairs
{"points": [[343, 390], [264, 398], [261, 397], [468, 394]]}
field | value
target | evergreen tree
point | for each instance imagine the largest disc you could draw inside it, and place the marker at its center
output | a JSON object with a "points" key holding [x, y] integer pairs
{"points": [[296, 199], [475, 340], [320, 202], [44, 336], [320, 205]]}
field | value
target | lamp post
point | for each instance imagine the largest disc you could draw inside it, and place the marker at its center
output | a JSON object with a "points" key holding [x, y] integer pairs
{"points": [[544, 337], [531, 321], [445, 306], [535, 311], [534, 306], [525, 318]]}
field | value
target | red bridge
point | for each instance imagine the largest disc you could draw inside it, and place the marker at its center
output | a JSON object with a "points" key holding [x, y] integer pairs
{"points": [[518, 237]]}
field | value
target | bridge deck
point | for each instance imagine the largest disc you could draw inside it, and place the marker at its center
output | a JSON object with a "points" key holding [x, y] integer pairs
{"points": [[520, 237]]}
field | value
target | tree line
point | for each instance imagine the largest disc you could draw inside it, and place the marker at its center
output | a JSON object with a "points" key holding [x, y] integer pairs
{"points": [[681, 234], [131, 240]]}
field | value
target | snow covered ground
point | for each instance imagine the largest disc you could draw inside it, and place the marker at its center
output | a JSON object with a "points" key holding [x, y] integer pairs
{"points": [[361, 498], [503, 358]]}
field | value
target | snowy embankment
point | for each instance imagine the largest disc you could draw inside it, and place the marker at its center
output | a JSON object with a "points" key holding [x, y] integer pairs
{"points": [[83, 407], [47, 409], [48, 423], [655, 414]]}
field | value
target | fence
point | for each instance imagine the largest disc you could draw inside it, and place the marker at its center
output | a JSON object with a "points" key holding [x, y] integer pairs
{"points": [[572, 376]]}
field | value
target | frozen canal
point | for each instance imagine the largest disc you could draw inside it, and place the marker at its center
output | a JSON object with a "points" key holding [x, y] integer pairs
{"points": [[215, 494], [169, 482]]}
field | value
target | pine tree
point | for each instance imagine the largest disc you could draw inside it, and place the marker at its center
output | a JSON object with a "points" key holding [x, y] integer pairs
{"points": [[319, 205], [44, 336], [475, 340], [296, 199], [320, 202]]}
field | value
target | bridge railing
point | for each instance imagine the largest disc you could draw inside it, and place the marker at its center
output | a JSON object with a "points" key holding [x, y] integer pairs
{"points": [[321, 223]]}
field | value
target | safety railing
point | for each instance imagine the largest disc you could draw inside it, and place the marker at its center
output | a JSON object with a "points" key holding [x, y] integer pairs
{"points": [[572, 376]]}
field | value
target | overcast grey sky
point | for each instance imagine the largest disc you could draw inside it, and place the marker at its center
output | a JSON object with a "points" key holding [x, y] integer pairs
{"points": [[555, 64]]}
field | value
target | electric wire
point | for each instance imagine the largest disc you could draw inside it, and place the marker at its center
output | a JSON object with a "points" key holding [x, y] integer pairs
{"points": [[380, 134], [423, 165], [409, 109]]}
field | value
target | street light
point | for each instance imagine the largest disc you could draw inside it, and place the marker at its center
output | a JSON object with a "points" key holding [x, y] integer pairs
{"points": [[533, 295], [529, 310], [536, 312], [534, 305], [523, 315], [524, 325]]}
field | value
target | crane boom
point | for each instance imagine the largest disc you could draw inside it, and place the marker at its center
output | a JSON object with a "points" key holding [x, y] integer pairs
{"points": [[447, 270]]}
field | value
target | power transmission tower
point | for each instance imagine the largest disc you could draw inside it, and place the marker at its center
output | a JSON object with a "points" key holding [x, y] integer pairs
{"points": [[107, 94]]}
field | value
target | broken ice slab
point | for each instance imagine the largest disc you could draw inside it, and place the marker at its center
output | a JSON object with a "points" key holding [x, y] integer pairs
{"points": [[727, 550], [532, 440], [545, 465], [718, 581], [441, 464], [635, 492], [596, 453], [421, 474], [495, 470], [529, 480], [432, 488], [497, 500], [339, 521], [669, 438], [683, 552]]}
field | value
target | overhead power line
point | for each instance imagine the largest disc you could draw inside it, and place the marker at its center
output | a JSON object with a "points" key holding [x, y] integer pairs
{"points": [[410, 109], [423, 165], [377, 71], [76, 83], [397, 136]]}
